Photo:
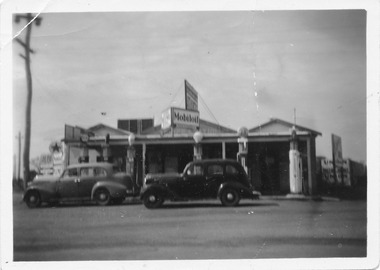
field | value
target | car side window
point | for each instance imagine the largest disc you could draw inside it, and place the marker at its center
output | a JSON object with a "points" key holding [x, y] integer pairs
{"points": [[99, 172], [214, 169], [194, 170], [231, 169], [70, 173], [86, 172]]}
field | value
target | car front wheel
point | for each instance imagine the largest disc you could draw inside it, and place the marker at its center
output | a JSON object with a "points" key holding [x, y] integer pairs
{"points": [[153, 200], [102, 196], [33, 199], [229, 197]]}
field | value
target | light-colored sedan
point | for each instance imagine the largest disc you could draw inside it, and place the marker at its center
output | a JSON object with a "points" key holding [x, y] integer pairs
{"points": [[98, 182]]}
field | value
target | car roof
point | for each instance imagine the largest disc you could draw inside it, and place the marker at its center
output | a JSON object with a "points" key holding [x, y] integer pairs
{"points": [[93, 164]]}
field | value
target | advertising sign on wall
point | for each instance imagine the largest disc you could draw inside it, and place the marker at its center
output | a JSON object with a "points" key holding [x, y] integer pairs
{"points": [[336, 142], [166, 119], [191, 97], [57, 150]]}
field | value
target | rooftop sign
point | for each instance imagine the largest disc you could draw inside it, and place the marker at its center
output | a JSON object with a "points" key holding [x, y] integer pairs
{"points": [[179, 117], [191, 97]]}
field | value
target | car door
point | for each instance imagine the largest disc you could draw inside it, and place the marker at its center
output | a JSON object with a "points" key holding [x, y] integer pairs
{"points": [[88, 176], [213, 178], [193, 182], [68, 184]]}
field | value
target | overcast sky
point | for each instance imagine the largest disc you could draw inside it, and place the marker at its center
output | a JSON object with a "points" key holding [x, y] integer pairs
{"points": [[247, 67]]}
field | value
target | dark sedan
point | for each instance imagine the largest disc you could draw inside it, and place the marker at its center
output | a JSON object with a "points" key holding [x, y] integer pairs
{"points": [[213, 178]]}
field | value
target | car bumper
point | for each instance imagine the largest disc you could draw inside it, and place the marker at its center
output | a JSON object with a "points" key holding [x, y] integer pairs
{"points": [[255, 195], [251, 194], [135, 191]]}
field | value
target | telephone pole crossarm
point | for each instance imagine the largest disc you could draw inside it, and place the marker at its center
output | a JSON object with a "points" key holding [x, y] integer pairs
{"points": [[24, 45]]}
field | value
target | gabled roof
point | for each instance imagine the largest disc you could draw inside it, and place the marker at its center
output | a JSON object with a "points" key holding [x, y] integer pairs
{"points": [[84, 130], [102, 130], [277, 125]]}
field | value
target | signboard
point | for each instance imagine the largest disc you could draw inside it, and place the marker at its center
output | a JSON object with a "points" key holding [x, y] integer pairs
{"points": [[191, 97], [76, 134], [72, 133], [185, 118], [46, 161], [179, 117], [166, 119], [336, 142]]}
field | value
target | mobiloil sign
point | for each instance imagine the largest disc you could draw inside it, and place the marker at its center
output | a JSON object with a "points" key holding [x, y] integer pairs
{"points": [[176, 117]]}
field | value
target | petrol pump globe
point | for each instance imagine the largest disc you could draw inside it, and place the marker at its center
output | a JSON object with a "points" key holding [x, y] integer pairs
{"points": [[243, 132], [198, 136], [131, 139]]}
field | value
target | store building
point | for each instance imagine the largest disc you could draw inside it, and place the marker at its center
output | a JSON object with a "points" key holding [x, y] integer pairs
{"points": [[139, 147]]}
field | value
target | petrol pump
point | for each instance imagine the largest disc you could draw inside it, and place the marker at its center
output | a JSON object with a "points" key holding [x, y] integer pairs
{"points": [[198, 136], [130, 160], [295, 165], [243, 147], [131, 153]]}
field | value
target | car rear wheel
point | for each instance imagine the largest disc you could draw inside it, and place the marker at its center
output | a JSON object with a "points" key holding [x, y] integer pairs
{"points": [[102, 196], [229, 197], [153, 200], [33, 199]]}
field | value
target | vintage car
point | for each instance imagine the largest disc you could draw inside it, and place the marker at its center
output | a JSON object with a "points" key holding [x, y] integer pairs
{"points": [[98, 182], [213, 178]]}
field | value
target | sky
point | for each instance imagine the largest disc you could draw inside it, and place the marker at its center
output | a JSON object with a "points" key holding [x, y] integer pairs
{"points": [[247, 66]]}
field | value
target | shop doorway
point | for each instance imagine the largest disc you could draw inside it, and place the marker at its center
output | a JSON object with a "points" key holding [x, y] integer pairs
{"points": [[212, 150], [268, 165], [231, 150]]}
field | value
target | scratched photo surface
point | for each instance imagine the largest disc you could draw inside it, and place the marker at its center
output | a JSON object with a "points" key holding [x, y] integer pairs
{"points": [[94, 74]]}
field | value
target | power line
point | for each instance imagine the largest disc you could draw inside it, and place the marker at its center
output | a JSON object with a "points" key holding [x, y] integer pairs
{"points": [[208, 109]]}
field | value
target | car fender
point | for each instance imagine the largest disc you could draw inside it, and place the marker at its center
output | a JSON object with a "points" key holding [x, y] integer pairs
{"points": [[115, 189], [237, 186], [156, 188], [45, 193]]}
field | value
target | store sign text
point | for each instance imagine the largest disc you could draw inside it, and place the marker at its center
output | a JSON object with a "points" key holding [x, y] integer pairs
{"points": [[180, 117], [185, 118]]}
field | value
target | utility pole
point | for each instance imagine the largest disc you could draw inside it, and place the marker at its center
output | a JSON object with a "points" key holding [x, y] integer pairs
{"points": [[28, 114], [19, 156]]}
